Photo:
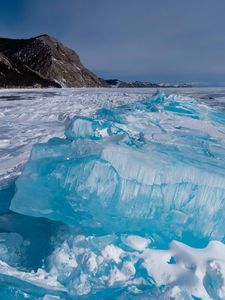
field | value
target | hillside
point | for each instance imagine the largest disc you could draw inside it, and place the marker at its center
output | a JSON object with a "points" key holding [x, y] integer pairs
{"points": [[42, 61]]}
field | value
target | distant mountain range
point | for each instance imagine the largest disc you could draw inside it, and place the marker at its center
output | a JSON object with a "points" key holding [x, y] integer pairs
{"points": [[140, 84], [43, 61]]}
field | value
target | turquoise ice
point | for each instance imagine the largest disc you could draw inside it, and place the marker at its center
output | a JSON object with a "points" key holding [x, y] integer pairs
{"points": [[128, 205], [154, 166]]}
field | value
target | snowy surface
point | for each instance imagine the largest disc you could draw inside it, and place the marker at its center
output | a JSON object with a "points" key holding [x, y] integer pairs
{"points": [[33, 116]]}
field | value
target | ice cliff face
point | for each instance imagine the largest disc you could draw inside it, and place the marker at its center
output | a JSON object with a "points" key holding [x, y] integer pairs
{"points": [[156, 166]]}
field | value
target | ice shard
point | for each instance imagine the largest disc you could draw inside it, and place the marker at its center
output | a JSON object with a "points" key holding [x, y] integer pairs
{"points": [[157, 165]]}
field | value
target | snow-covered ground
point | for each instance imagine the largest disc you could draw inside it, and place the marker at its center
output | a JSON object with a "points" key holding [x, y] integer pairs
{"points": [[34, 115]]}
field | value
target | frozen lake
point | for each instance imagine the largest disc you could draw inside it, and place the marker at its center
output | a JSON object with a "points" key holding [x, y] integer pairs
{"points": [[129, 203], [33, 116]]}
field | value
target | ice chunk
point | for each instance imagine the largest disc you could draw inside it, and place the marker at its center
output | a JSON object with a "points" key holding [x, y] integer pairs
{"points": [[90, 266], [40, 278], [136, 242], [94, 266], [157, 165], [12, 248], [82, 127]]}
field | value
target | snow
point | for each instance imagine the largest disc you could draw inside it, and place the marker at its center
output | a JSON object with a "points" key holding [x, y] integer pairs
{"points": [[191, 268], [112, 252], [136, 242]]}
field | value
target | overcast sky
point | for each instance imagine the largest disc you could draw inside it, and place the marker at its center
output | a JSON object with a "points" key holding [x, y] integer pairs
{"points": [[155, 40]]}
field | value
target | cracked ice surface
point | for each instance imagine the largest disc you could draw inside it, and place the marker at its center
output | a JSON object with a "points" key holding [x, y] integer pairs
{"points": [[33, 116]]}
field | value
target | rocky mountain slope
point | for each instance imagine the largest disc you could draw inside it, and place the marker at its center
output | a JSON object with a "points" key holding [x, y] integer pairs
{"points": [[42, 61]]}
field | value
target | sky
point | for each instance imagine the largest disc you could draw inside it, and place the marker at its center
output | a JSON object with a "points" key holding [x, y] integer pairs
{"points": [[153, 40]]}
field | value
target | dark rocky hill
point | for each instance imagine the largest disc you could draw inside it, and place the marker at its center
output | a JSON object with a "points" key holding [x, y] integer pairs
{"points": [[42, 61], [140, 84]]}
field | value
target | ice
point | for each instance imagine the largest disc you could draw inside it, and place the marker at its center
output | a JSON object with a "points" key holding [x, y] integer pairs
{"points": [[11, 248], [29, 116], [136, 242], [33, 116], [126, 204], [98, 265], [153, 166], [90, 264], [41, 279]]}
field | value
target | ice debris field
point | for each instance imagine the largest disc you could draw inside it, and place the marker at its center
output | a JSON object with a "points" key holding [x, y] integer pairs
{"points": [[128, 204]]}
